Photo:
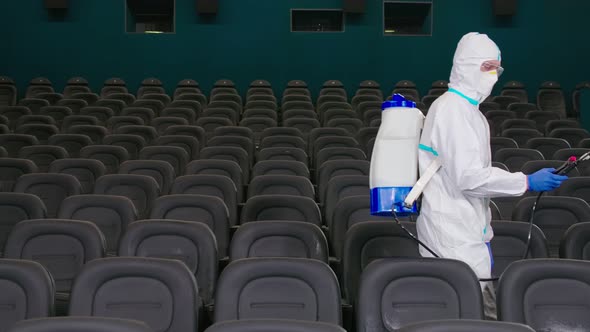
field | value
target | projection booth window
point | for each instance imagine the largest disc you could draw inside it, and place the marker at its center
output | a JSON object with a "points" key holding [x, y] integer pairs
{"points": [[405, 18], [150, 16]]}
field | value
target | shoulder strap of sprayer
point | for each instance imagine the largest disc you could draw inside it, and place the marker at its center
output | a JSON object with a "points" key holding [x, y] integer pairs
{"points": [[424, 178]]}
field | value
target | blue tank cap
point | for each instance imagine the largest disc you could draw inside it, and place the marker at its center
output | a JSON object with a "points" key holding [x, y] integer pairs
{"points": [[397, 100]]}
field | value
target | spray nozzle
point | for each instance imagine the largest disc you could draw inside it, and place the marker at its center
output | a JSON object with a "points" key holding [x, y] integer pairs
{"points": [[572, 163]]}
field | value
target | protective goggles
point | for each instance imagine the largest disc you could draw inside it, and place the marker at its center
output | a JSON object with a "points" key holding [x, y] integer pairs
{"points": [[492, 65]]}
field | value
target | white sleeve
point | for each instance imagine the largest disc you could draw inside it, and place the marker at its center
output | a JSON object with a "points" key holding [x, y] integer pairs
{"points": [[460, 153]]}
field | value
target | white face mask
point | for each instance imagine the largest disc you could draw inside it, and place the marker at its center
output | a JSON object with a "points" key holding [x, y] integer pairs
{"points": [[486, 83]]}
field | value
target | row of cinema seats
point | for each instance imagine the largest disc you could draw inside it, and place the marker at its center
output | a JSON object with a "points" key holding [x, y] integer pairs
{"points": [[393, 293], [549, 95], [260, 96]]}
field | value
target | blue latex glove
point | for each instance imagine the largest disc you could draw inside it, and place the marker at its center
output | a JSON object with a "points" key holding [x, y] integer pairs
{"points": [[545, 180]]}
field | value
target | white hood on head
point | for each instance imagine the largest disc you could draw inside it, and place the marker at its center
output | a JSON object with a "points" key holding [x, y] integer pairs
{"points": [[466, 77]]}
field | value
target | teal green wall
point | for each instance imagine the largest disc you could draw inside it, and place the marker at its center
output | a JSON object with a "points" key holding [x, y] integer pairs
{"points": [[251, 39]]}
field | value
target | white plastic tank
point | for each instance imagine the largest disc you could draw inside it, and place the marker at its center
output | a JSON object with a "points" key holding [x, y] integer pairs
{"points": [[394, 163]]}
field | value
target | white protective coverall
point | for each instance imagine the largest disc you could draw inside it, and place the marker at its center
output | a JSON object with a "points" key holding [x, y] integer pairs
{"points": [[455, 217]]}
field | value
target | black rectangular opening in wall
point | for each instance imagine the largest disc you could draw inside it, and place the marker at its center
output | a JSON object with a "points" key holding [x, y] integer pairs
{"points": [[407, 18], [317, 20], [150, 16], [56, 4]]}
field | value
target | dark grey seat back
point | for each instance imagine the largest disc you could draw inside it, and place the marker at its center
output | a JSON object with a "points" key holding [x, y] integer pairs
{"points": [[110, 155], [575, 243], [350, 211], [27, 289], [189, 143], [175, 156], [279, 239], [289, 154], [85, 170], [397, 292], [61, 246], [304, 125], [281, 185], [146, 114], [231, 153], [162, 123], [338, 153], [160, 292], [516, 158], [280, 167], [16, 207], [509, 244], [132, 143], [14, 142], [142, 190], [236, 141], [546, 294], [227, 168], [278, 288], [343, 186], [52, 189], [371, 240], [161, 171], [572, 135], [281, 207], [11, 169], [497, 143], [212, 185], [330, 169], [554, 215], [283, 142], [208, 210], [148, 133], [547, 145], [195, 131], [96, 133], [42, 155], [111, 214], [73, 143], [192, 243]]}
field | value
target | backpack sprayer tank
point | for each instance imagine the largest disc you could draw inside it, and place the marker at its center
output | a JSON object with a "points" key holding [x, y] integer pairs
{"points": [[394, 163]]}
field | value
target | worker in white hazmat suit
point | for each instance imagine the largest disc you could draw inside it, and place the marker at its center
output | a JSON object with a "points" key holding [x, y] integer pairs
{"points": [[455, 217]]}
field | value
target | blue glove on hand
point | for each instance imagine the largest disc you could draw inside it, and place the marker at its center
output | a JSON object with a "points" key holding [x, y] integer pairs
{"points": [[545, 180]]}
